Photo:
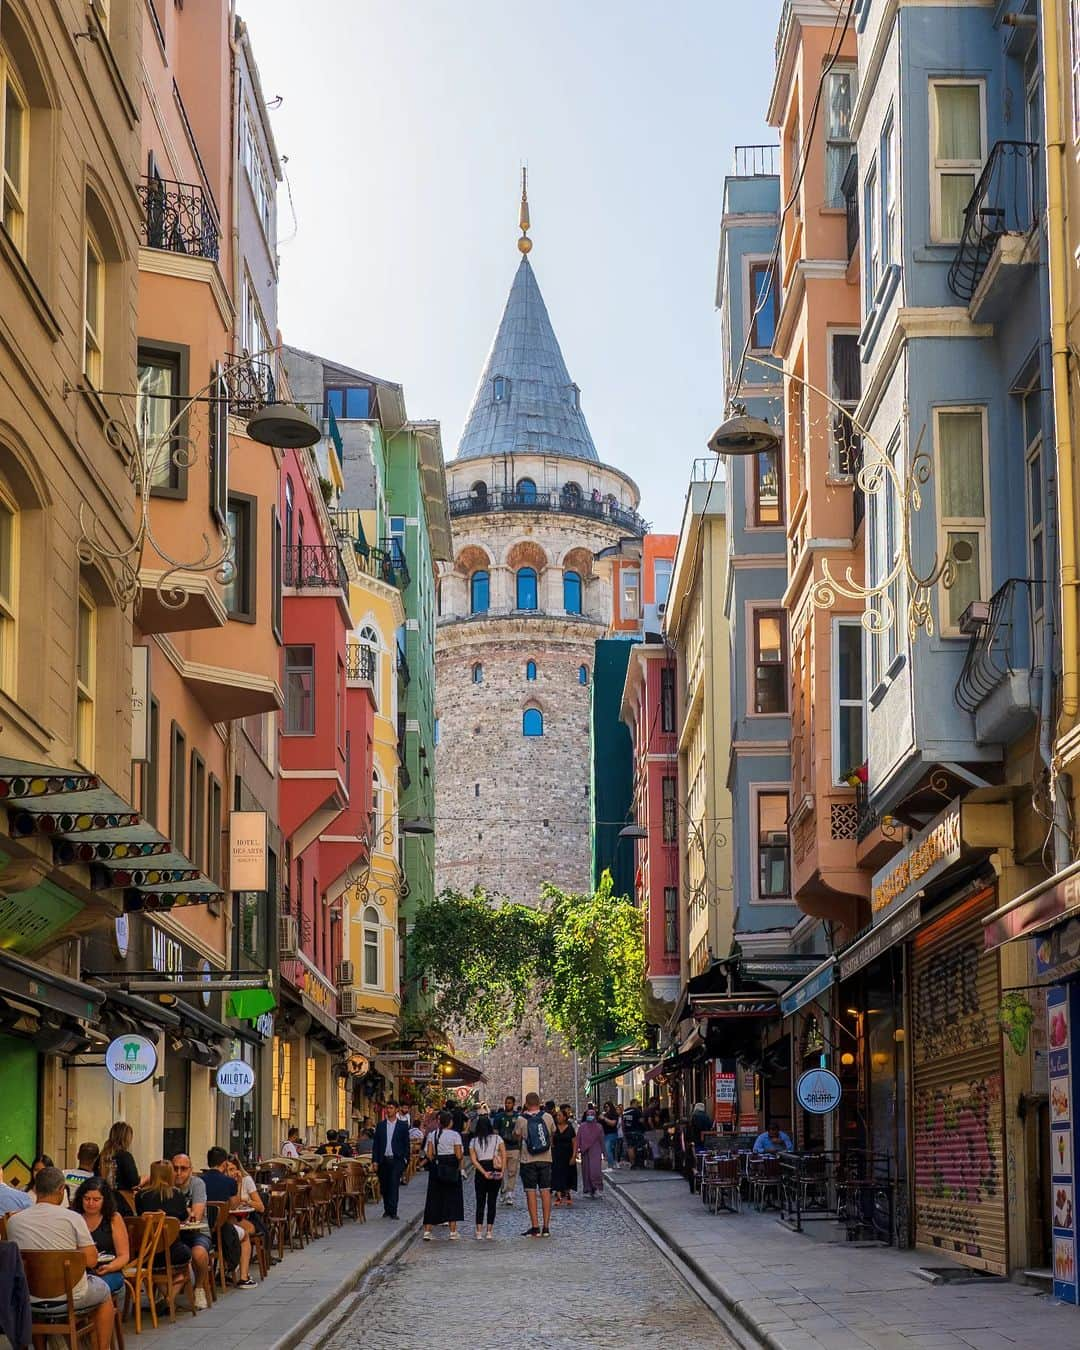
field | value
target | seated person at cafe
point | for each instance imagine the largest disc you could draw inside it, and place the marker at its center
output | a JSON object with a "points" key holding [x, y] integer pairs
{"points": [[331, 1148], [772, 1140], [49, 1226], [193, 1189], [222, 1189], [12, 1199], [291, 1147], [161, 1194], [365, 1142], [95, 1200], [87, 1168]]}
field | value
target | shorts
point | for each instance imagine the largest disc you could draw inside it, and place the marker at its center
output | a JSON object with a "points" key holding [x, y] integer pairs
{"points": [[202, 1240], [95, 1293], [536, 1176]]}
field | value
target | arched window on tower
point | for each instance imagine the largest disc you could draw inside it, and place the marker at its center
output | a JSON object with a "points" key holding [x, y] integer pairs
{"points": [[500, 388], [530, 670], [532, 722], [526, 490], [583, 675], [479, 493], [526, 588], [478, 674], [571, 592], [479, 592]]}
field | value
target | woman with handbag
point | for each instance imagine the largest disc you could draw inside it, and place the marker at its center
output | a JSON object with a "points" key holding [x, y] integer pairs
{"points": [[488, 1153], [445, 1202]]}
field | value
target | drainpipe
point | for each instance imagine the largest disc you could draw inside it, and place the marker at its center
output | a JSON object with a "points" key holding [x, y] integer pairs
{"points": [[1058, 277]]}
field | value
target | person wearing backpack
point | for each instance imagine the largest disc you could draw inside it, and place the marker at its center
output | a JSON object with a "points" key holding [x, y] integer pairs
{"points": [[505, 1122], [534, 1130]]}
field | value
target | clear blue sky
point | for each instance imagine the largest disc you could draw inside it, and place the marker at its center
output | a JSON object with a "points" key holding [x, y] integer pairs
{"points": [[405, 123]]}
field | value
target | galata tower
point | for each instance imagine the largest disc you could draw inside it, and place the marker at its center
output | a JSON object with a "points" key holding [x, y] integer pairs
{"points": [[519, 612]]}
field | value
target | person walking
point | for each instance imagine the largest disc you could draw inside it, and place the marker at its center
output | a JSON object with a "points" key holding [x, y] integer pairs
{"points": [[534, 1130], [445, 1202], [390, 1154], [563, 1166], [591, 1141], [505, 1122], [488, 1154]]}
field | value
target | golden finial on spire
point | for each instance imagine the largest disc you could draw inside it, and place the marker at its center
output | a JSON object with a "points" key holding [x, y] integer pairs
{"points": [[524, 243]]}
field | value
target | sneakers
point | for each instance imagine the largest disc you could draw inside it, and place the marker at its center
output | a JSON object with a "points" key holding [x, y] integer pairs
{"points": [[201, 1304], [531, 1232], [427, 1237], [455, 1237], [545, 1232], [249, 1283]]}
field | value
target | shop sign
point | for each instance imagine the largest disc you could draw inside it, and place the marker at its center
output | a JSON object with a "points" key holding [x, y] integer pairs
{"points": [[247, 851], [130, 1059], [207, 974], [140, 703], [819, 1091], [1057, 953], [235, 1078], [1036, 910], [1061, 1003], [927, 854], [166, 954], [815, 984], [264, 1025], [122, 935], [358, 1065], [889, 932]]}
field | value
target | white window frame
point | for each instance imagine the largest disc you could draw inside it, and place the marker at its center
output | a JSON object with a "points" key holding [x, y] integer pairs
{"points": [[85, 681], [1036, 532], [256, 173], [851, 70], [836, 702], [872, 231], [627, 575], [254, 334], [767, 790], [754, 608], [979, 525], [366, 927], [368, 636], [13, 198], [889, 169], [830, 333], [750, 261], [93, 362], [9, 599], [943, 168]]}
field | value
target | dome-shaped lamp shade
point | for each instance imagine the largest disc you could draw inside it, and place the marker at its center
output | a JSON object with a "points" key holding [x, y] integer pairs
{"points": [[743, 435], [282, 425]]}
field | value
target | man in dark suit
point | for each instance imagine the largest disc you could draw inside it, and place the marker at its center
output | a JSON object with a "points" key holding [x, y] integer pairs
{"points": [[390, 1154]]}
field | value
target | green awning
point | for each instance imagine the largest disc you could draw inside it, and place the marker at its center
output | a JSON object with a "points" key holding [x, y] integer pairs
{"points": [[249, 1004], [613, 1048], [605, 1075]]}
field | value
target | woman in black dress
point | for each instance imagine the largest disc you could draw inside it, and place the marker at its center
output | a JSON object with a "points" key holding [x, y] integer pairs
{"points": [[563, 1160], [445, 1202], [117, 1166], [161, 1194]]}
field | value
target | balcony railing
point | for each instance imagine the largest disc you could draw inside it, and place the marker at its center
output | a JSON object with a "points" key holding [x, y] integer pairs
{"points": [[360, 663], [250, 383], [752, 161], [384, 564], [868, 819], [1006, 642], [569, 502], [177, 218], [313, 567], [404, 673], [849, 186], [395, 558], [1006, 200], [848, 459]]}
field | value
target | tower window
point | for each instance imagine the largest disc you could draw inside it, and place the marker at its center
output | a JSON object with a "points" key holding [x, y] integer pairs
{"points": [[478, 674], [571, 590], [479, 592], [530, 670], [526, 588], [526, 490], [500, 388], [532, 722], [583, 675]]}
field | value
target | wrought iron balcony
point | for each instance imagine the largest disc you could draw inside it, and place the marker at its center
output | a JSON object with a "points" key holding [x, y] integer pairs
{"points": [[395, 561], [359, 663], [177, 217], [849, 186], [384, 564], [848, 459], [313, 567], [753, 161], [1001, 682], [250, 383], [404, 674], [569, 502], [1007, 200]]}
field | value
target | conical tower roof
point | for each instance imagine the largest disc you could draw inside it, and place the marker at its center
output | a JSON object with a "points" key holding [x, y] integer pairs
{"points": [[535, 405]]}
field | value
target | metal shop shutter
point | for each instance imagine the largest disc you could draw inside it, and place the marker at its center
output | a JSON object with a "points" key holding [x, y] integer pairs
{"points": [[958, 1088]]}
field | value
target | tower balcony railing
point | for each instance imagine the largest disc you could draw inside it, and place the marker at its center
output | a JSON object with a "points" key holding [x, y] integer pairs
{"points": [[177, 217], [313, 567], [1007, 200], [574, 503]]}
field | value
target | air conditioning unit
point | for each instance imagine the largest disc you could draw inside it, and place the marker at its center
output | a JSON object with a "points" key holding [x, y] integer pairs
{"points": [[346, 1003], [288, 937], [777, 839], [346, 976], [661, 608]]}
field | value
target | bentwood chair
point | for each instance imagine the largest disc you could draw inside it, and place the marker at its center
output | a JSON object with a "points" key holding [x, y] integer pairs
{"points": [[320, 1204], [143, 1234], [278, 1221], [54, 1276], [167, 1277], [354, 1191]]}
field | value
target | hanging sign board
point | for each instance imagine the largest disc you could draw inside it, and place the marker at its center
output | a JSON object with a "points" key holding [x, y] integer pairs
{"points": [[235, 1078], [819, 1091], [247, 850], [131, 1058]]}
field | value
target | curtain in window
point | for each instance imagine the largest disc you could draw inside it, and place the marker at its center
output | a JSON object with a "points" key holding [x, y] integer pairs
{"points": [[959, 129], [960, 460]]}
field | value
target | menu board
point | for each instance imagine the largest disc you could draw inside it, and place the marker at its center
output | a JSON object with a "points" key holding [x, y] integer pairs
{"points": [[725, 1093], [1060, 1002]]}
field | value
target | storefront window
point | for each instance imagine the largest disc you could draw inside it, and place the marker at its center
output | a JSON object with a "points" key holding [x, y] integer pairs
{"points": [[244, 1110], [250, 924]]}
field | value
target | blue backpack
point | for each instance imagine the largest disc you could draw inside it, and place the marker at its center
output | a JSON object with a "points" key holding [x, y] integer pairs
{"points": [[537, 1139]]}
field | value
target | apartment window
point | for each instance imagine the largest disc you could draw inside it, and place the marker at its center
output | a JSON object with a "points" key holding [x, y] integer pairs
{"points": [[532, 722], [770, 661], [848, 747], [671, 920], [9, 554], [525, 585], [845, 386], [350, 405], [397, 538], [667, 699], [871, 235], [254, 334], [177, 785], [1036, 532], [530, 670], [479, 592], [290, 513], [669, 810], [840, 88], [197, 798], [213, 837], [630, 596], [572, 592], [15, 139], [961, 468], [240, 592], [275, 574], [148, 785], [662, 569], [371, 947], [957, 151], [889, 167], [774, 851], [300, 691], [764, 299], [158, 404], [256, 173], [369, 638], [767, 489], [93, 311], [886, 531], [85, 678]]}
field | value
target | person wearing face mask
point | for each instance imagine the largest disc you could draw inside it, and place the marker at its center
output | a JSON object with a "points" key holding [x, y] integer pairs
{"points": [[590, 1142]]}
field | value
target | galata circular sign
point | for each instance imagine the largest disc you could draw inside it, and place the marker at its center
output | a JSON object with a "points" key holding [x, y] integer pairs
{"points": [[235, 1078], [131, 1058], [819, 1091]]}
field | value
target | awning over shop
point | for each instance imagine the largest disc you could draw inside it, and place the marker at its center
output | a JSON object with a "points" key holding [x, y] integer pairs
{"points": [[809, 987], [46, 990], [1043, 906], [138, 1012], [606, 1075], [869, 946], [460, 1073], [711, 1007]]}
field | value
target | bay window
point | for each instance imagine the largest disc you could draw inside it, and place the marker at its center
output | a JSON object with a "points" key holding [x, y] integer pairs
{"points": [[957, 151], [960, 438]]}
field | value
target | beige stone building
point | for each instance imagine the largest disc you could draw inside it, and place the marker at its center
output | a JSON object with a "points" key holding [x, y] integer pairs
{"points": [[520, 610]]}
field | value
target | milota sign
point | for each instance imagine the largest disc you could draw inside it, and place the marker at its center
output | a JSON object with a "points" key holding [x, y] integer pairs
{"points": [[235, 1078], [130, 1059]]}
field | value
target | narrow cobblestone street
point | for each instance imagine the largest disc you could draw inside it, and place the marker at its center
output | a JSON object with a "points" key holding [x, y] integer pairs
{"points": [[597, 1281]]}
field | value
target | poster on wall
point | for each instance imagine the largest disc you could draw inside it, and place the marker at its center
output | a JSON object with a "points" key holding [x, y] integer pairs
{"points": [[725, 1093], [1062, 1165]]}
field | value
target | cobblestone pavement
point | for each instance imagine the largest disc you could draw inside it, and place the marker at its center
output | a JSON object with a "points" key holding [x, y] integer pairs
{"points": [[596, 1281]]}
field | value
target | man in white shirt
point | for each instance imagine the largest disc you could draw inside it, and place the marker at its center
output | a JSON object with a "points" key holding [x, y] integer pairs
{"points": [[49, 1226], [291, 1147], [11, 1199]]}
